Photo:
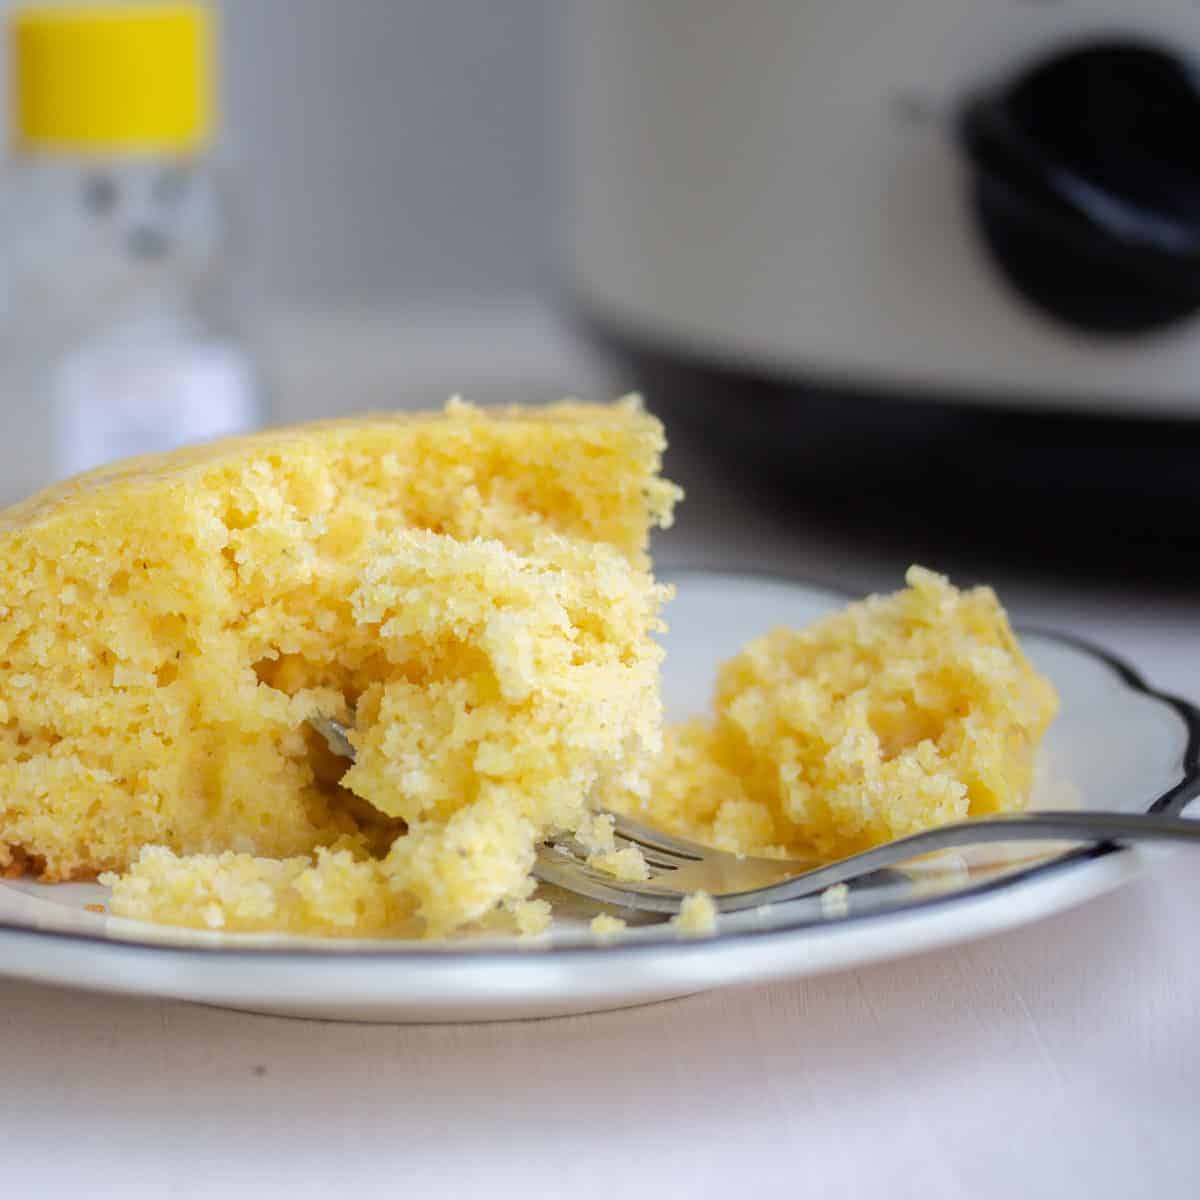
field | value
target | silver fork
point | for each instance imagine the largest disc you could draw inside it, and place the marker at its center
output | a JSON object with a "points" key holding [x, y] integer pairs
{"points": [[679, 867]]}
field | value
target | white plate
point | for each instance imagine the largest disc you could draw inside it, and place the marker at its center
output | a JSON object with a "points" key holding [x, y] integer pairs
{"points": [[1116, 745]]}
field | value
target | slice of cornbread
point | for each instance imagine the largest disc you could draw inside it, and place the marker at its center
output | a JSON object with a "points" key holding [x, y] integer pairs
{"points": [[895, 714], [475, 582]]}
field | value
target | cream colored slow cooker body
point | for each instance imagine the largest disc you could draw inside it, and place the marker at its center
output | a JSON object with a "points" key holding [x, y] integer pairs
{"points": [[777, 184]]}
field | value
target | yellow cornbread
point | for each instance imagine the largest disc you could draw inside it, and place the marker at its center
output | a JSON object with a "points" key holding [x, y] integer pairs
{"points": [[539, 687], [335, 892], [475, 584], [531, 917], [697, 916], [471, 592], [895, 714], [605, 926], [513, 690]]}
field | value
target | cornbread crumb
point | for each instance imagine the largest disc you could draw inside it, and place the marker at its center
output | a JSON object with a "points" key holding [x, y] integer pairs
{"points": [[697, 916], [532, 917], [93, 908], [628, 865], [835, 900], [595, 835], [605, 926], [893, 715]]}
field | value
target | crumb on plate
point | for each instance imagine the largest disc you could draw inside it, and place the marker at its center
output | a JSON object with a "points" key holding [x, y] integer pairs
{"points": [[532, 917], [628, 865], [835, 900], [605, 926], [697, 916]]}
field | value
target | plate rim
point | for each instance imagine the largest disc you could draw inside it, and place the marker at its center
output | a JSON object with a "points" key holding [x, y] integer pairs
{"points": [[1174, 798]]}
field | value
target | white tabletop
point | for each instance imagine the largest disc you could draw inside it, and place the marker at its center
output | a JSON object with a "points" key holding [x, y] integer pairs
{"points": [[1061, 1060]]}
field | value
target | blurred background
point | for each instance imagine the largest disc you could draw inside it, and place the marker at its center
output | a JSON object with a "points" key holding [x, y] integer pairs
{"points": [[909, 280], [396, 157], [390, 188]]}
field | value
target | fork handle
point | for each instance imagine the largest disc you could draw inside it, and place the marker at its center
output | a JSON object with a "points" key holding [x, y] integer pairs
{"points": [[1016, 827]]}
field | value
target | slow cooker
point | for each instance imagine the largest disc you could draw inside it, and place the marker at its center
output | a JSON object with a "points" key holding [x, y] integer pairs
{"points": [[926, 248]]}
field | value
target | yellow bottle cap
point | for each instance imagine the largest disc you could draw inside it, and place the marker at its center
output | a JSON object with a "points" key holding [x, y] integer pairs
{"points": [[127, 79]]}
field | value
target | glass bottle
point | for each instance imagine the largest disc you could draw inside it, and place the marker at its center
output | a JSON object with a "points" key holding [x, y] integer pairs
{"points": [[118, 325]]}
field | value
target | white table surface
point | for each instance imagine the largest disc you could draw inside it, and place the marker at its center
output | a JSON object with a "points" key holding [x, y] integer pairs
{"points": [[1061, 1060]]}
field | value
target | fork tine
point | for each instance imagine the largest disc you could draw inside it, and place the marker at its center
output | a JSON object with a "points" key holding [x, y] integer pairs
{"points": [[655, 840], [565, 844], [552, 866], [657, 859], [336, 735]]}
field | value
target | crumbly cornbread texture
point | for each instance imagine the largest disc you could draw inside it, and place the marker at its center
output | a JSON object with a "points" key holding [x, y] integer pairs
{"points": [[515, 689], [605, 926], [895, 714], [334, 892], [697, 916], [474, 585]]}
